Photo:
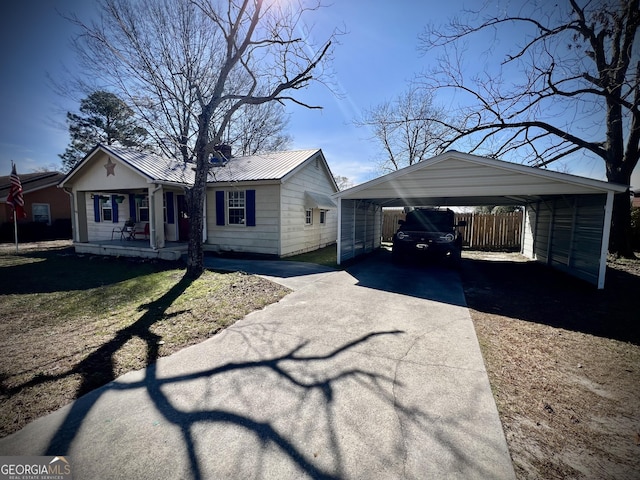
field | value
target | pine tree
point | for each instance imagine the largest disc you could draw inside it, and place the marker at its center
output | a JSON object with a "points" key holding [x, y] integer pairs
{"points": [[103, 118]]}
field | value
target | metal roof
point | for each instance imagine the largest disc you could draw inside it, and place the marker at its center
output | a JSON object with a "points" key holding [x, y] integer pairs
{"points": [[266, 166], [154, 167], [459, 179]]}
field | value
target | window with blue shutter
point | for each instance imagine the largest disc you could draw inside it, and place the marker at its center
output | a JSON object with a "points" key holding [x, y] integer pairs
{"points": [[219, 208], [251, 208], [96, 208]]}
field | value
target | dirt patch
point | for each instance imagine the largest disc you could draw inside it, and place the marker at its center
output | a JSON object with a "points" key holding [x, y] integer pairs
{"points": [[564, 364]]}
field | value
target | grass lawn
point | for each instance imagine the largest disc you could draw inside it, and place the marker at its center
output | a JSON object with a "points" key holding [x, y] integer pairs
{"points": [[324, 256], [73, 323]]}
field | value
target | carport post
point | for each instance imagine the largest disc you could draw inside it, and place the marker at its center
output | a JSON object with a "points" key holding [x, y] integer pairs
{"points": [[339, 239], [604, 248]]}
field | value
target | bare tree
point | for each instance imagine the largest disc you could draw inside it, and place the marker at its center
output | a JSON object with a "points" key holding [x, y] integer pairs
{"points": [[258, 128], [189, 66], [342, 182], [569, 84], [405, 128]]}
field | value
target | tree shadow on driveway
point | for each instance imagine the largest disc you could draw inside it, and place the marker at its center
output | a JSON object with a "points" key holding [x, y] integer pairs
{"points": [[291, 371]]}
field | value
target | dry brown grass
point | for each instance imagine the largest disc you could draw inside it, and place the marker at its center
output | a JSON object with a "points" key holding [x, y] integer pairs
{"points": [[564, 364]]}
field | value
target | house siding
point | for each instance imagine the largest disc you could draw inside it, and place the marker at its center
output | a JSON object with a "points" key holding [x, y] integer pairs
{"points": [[296, 236], [263, 238], [93, 176], [57, 199], [102, 230]]}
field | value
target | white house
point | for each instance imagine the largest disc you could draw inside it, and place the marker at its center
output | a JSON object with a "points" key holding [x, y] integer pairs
{"points": [[275, 204]]}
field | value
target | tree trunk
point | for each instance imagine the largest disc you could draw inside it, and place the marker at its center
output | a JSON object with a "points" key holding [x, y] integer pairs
{"points": [[620, 240], [620, 244], [195, 255]]}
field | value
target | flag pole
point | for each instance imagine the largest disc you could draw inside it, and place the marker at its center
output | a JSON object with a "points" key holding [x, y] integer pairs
{"points": [[15, 228], [15, 198]]}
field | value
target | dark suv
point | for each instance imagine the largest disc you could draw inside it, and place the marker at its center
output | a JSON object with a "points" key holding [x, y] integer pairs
{"points": [[428, 232]]}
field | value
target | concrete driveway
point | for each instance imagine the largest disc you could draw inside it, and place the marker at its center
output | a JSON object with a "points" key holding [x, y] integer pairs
{"points": [[370, 373]]}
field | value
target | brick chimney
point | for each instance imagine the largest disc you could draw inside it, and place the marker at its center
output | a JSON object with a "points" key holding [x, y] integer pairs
{"points": [[224, 149]]}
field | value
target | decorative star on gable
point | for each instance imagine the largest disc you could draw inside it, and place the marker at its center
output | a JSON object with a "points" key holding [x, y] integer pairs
{"points": [[111, 167]]}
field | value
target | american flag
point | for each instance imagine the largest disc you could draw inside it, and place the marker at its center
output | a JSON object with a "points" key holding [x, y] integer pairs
{"points": [[15, 198]]}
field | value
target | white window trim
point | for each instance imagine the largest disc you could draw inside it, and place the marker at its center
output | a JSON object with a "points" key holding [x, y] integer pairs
{"points": [[142, 204], [103, 204], [34, 207], [229, 208], [308, 217]]}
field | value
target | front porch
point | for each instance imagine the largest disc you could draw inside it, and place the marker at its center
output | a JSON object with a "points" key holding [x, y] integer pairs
{"points": [[132, 248]]}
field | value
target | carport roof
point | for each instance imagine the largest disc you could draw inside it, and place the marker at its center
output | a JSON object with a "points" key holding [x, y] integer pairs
{"points": [[459, 179]]}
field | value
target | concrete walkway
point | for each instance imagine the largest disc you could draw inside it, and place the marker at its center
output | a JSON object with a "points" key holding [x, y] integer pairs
{"points": [[370, 373]]}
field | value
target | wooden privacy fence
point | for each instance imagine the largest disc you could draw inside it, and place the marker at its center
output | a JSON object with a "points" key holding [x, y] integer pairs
{"points": [[483, 230]]}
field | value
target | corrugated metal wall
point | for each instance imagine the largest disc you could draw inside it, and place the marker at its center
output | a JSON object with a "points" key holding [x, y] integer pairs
{"points": [[566, 233], [361, 228]]}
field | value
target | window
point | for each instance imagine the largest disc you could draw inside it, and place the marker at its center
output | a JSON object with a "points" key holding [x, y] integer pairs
{"points": [[236, 207], [308, 217], [106, 208], [323, 216], [142, 205], [41, 213]]}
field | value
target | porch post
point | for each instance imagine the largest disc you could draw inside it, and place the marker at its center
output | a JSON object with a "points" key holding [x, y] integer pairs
{"points": [[156, 217], [339, 239]]}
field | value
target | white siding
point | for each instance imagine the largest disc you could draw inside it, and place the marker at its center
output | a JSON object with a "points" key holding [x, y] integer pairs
{"points": [[262, 239], [361, 230], [102, 230], [97, 231], [296, 237], [93, 176], [566, 233]]}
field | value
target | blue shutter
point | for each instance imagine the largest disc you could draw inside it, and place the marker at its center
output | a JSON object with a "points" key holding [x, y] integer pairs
{"points": [[219, 208], [96, 207], [250, 197], [170, 210], [114, 208], [132, 206]]}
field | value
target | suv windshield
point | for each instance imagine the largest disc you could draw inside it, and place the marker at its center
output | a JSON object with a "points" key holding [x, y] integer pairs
{"points": [[429, 220]]}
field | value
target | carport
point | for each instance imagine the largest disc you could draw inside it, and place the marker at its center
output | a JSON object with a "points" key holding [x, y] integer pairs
{"points": [[566, 222]]}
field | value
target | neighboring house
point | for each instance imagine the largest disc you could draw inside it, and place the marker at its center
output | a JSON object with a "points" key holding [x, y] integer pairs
{"points": [[46, 206], [275, 204], [635, 200]]}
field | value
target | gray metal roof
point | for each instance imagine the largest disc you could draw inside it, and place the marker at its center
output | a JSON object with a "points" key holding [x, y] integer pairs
{"points": [[266, 166], [154, 167]]}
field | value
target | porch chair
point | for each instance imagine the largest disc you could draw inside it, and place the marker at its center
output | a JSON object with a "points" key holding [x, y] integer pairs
{"points": [[141, 229], [125, 230]]}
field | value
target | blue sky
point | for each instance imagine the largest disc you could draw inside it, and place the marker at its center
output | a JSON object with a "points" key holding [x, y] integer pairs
{"points": [[373, 63]]}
